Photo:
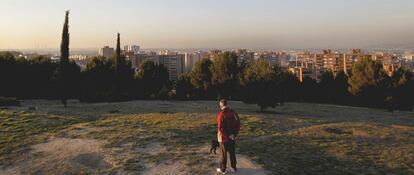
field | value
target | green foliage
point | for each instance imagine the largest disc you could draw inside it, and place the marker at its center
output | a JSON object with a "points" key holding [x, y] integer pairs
{"points": [[39, 72], [183, 87], [26, 78], [327, 87], [65, 81], [97, 80], [124, 75], [14, 53], [309, 90], [403, 85], [201, 75], [64, 46], [119, 61], [369, 82], [200, 78], [152, 78], [261, 84], [8, 66], [66, 76], [225, 72], [340, 92], [291, 87]]}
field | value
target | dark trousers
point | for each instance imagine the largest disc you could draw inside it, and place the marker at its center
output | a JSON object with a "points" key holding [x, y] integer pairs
{"points": [[228, 147]]}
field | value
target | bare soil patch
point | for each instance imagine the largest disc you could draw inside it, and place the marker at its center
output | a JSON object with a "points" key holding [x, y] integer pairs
{"points": [[62, 156]]}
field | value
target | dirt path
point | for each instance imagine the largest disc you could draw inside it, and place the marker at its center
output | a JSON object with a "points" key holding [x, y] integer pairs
{"points": [[65, 155], [245, 167], [59, 155], [244, 164], [248, 167]]}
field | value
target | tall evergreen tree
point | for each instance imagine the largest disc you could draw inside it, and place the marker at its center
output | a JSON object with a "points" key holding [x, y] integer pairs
{"points": [[124, 75], [118, 58], [64, 45], [65, 79], [61, 75]]}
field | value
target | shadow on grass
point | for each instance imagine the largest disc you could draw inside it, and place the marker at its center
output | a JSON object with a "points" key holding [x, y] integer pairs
{"points": [[269, 112], [290, 155]]}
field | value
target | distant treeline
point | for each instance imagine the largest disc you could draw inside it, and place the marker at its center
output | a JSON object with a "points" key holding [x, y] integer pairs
{"points": [[258, 83], [269, 85]]}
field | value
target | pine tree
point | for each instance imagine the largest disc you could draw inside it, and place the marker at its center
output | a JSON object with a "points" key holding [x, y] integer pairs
{"points": [[225, 72], [369, 83], [200, 79], [261, 84]]}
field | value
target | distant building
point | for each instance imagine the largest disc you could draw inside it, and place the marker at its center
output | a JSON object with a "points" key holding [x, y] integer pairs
{"points": [[55, 58], [190, 59], [408, 56], [174, 64], [137, 59], [106, 51], [132, 48], [188, 62], [302, 72], [132, 57]]}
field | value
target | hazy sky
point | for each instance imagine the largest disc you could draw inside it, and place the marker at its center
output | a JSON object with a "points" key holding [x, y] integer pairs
{"points": [[208, 23]]}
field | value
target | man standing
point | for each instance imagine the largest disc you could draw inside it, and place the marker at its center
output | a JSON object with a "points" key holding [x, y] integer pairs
{"points": [[228, 126]]}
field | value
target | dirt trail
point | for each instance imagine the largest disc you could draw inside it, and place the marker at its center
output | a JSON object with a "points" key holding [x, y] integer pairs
{"points": [[248, 167], [59, 155], [176, 168], [244, 164], [64, 155]]}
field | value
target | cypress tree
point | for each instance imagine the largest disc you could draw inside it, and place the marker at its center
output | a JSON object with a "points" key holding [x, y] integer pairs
{"points": [[123, 74], [64, 46], [62, 74], [118, 59]]}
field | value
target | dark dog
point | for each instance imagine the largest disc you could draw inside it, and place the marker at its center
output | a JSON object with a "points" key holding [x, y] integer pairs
{"points": [[214, 145]]}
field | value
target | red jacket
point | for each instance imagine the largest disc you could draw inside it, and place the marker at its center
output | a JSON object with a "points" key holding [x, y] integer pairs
{"points": [[228, 123]]}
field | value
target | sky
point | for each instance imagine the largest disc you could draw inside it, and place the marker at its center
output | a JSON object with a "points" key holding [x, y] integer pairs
{"points": [[208, 23]]}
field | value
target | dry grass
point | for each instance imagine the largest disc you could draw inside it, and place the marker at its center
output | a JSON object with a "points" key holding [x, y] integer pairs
{"points": [[19, 130], [292, 139], [179, 135]]}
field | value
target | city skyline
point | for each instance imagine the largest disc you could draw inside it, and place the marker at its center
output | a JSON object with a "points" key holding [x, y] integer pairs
{"points": [[209, 24]]}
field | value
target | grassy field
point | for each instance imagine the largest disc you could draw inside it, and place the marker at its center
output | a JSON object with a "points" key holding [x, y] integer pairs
{"points": [[165, 137]]}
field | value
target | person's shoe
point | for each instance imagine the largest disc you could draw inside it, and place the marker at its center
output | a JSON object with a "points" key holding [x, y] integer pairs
{"points": [[220, 172], [232, 170]]}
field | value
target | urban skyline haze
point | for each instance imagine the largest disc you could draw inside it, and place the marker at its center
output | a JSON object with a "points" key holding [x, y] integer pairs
{"points": [[209, 23]]}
